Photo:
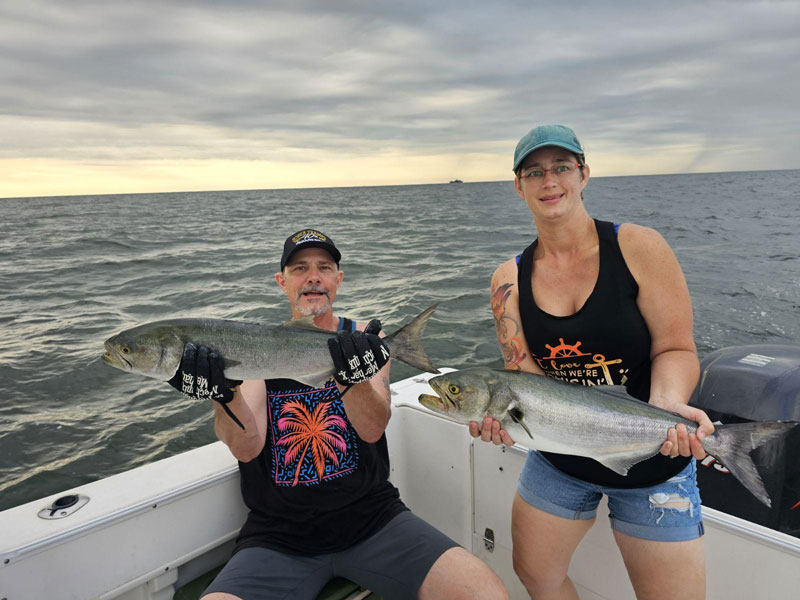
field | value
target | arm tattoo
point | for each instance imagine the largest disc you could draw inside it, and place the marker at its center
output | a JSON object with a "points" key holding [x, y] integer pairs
{"points": [[385, 380], [508, 329]]}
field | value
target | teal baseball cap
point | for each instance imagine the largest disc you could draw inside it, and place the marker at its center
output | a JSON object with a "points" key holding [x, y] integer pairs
{"points": [[546, 135]]}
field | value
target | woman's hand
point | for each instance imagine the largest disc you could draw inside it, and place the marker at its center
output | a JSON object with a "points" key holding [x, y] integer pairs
{"points": [[490, 431], [682, 443]]}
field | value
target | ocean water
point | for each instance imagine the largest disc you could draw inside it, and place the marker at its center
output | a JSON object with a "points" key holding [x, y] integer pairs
{"points": [[75, 270]]}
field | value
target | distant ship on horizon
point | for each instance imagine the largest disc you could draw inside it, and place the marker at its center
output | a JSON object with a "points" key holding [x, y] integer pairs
{"points": [[456, 181]]}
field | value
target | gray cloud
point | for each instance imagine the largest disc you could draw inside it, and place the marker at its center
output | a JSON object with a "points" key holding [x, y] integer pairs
{"points": [[427, 78]]}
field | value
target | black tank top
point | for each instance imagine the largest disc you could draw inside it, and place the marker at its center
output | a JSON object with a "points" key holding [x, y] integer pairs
{"points": [[316, 487], [605, 343]]}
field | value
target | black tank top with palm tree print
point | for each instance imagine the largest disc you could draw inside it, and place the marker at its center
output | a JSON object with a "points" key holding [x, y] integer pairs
{"points": [[316, 487]]}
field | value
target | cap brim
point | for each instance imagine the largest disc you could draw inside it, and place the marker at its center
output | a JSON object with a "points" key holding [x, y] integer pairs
{"points": [[575, 150], [335, 254]]}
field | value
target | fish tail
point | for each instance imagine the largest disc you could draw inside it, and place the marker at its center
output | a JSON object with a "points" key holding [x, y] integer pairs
{"points": [[404, 344], [732, 445]]}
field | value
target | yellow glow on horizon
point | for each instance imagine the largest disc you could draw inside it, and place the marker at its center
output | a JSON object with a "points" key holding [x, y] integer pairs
{"points": [[31, 177]]}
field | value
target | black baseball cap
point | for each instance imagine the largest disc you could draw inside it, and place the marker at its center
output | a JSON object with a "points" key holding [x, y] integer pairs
{"points": [[308, 238]]}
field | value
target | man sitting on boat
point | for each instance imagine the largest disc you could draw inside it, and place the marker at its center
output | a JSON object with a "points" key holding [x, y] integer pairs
{"points": [[314, 465]]}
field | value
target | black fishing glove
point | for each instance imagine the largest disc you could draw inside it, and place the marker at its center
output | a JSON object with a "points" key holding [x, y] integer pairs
{"points": [[201, 375], [358, 355]]}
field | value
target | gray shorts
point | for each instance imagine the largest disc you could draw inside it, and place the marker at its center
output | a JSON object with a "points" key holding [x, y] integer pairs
{"points": [[392, 563]]}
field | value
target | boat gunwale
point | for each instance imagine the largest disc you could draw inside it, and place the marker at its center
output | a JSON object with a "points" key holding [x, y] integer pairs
{"points": [[122, 514]]}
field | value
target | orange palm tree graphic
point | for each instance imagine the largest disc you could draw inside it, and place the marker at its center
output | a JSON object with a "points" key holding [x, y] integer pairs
{"points": [[310, 431]]}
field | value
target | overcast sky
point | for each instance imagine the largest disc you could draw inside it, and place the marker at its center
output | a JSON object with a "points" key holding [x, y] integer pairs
{"points": [[140, 96]]}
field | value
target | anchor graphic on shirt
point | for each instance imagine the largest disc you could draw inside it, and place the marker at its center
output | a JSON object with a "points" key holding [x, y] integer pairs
{"points": [[600, 361]]}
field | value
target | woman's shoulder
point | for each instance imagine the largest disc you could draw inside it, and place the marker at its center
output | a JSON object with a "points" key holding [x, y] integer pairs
{"points": [[638, 238], [506, 272], [644, 249]]}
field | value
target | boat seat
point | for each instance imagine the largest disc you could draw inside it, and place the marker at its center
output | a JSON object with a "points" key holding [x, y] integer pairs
{"points": [[336, 589]]}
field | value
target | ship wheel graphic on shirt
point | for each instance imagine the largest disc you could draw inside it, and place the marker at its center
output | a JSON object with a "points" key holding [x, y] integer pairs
{"points": [[563, 350]]}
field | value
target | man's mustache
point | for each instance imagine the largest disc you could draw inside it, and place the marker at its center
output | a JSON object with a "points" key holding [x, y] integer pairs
{"points": [[313, 288]]}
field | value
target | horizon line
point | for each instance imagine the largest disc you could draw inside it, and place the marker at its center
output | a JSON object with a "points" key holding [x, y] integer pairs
{"points": [[462, 182]]}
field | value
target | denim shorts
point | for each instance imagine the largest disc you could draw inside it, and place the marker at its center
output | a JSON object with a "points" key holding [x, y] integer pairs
{"points": [[393, 563], [665, 512]]}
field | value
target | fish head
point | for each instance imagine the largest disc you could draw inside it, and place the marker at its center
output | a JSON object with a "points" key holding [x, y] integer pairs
{"points": [[151, 350], [462, 395]]}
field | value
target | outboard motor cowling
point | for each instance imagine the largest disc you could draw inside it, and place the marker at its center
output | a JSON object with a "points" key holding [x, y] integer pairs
{"points": [[754, 383]]}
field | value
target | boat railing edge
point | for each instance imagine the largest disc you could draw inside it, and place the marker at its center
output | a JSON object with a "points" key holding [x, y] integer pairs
{"points": [[752, 531], [127, 512]]}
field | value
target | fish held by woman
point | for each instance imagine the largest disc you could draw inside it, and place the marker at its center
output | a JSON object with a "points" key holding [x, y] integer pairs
{"points": [[601, 422]]}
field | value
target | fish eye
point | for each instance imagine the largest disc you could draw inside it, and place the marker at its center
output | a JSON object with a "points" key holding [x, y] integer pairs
{"points": [[453, 389], [125, 350]]}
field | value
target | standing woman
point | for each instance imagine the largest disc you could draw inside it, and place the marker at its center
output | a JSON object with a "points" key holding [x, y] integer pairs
{"points": [[596, 303]]}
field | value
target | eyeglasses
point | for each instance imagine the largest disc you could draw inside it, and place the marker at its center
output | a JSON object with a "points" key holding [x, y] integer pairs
{"points": [[559, 170]]}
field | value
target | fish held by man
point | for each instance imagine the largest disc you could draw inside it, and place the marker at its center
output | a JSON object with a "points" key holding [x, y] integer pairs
{"points": [[601, 422], [295, 350]]}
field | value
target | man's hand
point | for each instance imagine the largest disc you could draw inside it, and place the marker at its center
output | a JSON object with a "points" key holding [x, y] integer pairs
{"points": [[682, 443], [201, 376], [358, 355]]}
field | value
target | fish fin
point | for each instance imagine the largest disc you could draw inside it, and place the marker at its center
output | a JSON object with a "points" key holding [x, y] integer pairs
{"points": [[621, 462], [315, 380], [517, 416], [306, 323], [620, 465], [404, 344], [732, 444]]}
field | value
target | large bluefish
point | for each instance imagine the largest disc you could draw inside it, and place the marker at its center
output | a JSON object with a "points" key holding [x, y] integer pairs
{"points": [[295, 350], [601, 422]]}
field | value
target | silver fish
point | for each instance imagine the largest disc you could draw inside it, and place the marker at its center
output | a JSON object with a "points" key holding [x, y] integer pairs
{"points": [[601, 422], [295, 350]]}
